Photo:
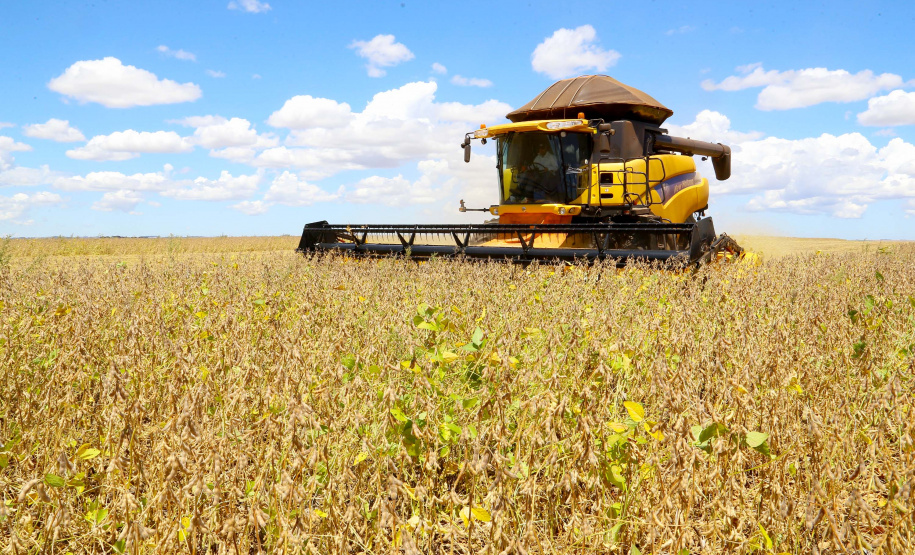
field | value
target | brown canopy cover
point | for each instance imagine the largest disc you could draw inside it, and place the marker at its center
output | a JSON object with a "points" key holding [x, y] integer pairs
{"points": [[598, 96]]}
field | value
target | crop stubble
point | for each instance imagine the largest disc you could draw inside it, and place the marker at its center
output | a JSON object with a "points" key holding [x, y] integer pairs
{"points": [[253, 401]]}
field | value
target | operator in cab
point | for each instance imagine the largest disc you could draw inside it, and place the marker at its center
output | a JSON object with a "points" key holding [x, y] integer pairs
{"points": [[540, 180]]}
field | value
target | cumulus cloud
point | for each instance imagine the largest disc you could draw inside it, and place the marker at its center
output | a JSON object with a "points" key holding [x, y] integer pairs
{"points": [[124, 145], [112, 84], [128, 188], [177, 54], [20, 176], [569, 52], [215, 74], [226, 187], [58, 130], [305, 112], [18, 205], [113, 181], [289, 189], [470, 81], [216, 132], [122, 200], [252, 207], [784, 90], [439, 180], [439, 68], [250, 6], [396, 126], [896, 108], [834, 175], [381, 51], [8, 146]]}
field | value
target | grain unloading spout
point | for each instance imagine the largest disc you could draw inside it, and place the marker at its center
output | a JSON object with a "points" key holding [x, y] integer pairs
{"points": [[719, 153]]}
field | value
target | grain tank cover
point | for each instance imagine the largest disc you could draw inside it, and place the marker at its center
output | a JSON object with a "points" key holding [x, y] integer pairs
{"points": [[598, 96]]}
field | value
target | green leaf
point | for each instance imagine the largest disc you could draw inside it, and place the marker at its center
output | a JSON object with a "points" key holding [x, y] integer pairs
{"points": [[859, 347], [634, 550], [260, 302], [477, 338], [712, 430], [119, 546], [879, 276], [54, 481], [755, 439], [853, 314], [469, 403], [4, 460], [349, 361], [615, 475], [869, 303], [398, 414], [428, 326]]}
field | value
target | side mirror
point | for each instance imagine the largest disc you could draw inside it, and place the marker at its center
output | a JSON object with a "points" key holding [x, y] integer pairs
{"points": [[603, 143], [466, 146]]}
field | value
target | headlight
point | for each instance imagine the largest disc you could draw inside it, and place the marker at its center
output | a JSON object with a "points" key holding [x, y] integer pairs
{"points": [[495, 211], [562, 211], [480, 133], [564, 124]]}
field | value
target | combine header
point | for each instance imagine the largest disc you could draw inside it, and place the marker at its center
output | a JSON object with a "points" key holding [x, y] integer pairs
{"points": [[585, 172]]}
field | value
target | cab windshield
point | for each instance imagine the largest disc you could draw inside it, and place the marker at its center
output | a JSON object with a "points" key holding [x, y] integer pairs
{"points": [[537, 167]]}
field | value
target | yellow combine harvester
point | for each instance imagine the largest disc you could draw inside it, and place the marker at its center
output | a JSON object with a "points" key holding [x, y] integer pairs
{"points": [[585, 172]]}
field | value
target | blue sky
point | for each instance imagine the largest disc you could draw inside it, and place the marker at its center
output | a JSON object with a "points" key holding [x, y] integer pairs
{"points": [[253, 118]]}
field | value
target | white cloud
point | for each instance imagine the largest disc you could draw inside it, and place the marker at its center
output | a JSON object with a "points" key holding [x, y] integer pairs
{"points": [[18, 205], [439, 68], [55, 130], [112, 84], [489, 111], [896, 108], [784, 90], [215, 74], [123, 200], [113, 181], [381, 51], [252, 207], [306, 112], [215, 132], [250, 6], [124, 145], [835, 175], [470, 81], [255, 76], [4, 124], [28, 177], [178, 54], [226, 187], [8, 145], [569, 52], [290, 190], [396, 126], [713, 127]]}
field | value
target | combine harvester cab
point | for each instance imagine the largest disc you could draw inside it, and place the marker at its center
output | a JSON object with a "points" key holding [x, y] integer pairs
{"points": [[585, 172]]}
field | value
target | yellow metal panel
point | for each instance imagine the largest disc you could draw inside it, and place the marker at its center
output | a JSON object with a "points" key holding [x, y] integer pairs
{"points": [[568, 209], [539, 125]]}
